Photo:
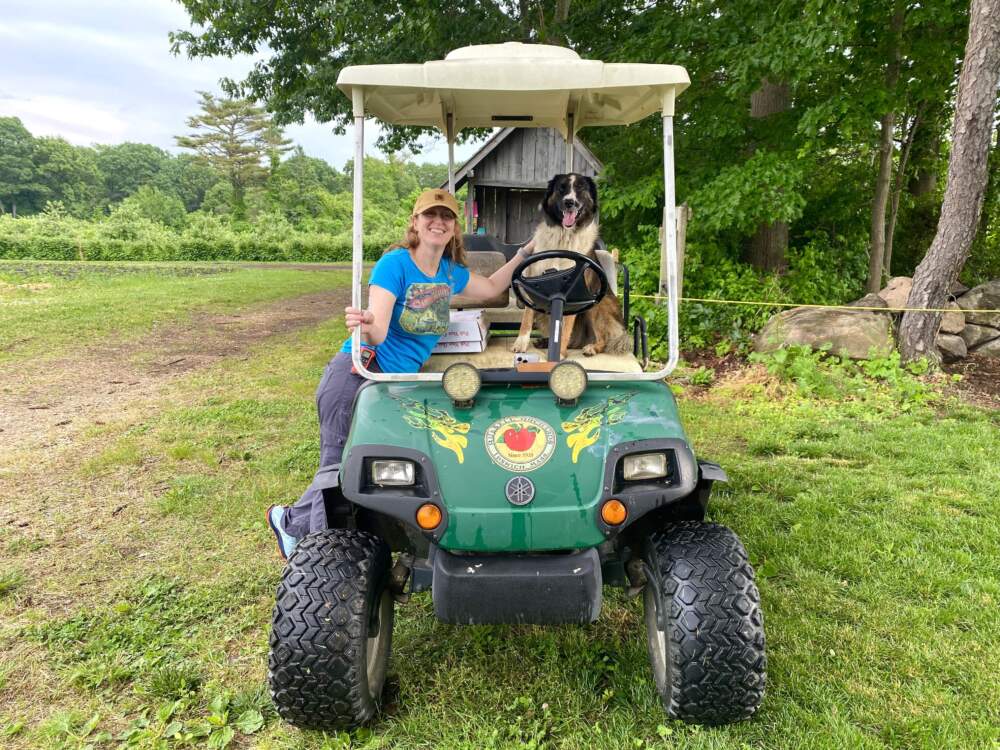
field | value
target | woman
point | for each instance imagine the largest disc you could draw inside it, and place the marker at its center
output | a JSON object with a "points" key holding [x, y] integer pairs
{"points": [[407, 313]]}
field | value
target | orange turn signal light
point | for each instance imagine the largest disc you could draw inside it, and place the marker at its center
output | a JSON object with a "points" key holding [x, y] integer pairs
{"points": [[614, 512], [428, 516]]}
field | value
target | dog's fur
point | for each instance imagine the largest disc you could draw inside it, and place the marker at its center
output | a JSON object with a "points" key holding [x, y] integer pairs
{"points": [[569, 222]]}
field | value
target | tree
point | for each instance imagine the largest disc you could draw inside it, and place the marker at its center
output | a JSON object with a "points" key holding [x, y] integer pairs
{"points": [[67, 174], [963, 198], [155, 205], [238, 139], [301, 185], [125, 167], [887, 124], [187, 177], [766, 251], [309, 42], [17, 170]]}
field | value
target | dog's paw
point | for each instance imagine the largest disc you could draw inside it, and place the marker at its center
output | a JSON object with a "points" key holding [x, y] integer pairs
{"points": [[521, 344], [589, 350]]}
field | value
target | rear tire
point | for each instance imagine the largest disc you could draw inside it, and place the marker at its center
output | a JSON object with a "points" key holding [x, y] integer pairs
{"points": [[708, 661], [331, 632]]}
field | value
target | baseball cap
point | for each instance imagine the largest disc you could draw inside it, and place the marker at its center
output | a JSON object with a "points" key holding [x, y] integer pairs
{"points": [[436, 197]]}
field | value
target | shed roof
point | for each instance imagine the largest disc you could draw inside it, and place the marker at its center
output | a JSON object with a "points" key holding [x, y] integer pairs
{"points": [[491, 145]]}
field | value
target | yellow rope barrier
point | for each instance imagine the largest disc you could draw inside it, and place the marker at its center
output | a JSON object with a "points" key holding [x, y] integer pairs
{"points": [[824, 307]]}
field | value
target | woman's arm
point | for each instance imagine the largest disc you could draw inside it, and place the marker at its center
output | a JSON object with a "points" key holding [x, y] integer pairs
{"points": [[374, 321], [481, 288]]}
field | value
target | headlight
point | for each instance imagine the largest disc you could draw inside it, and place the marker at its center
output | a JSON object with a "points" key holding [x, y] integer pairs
{"points": [[461, 382], [568, 380], [392, 473], [645, 466]]}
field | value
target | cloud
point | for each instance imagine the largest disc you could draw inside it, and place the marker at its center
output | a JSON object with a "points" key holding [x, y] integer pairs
{"points": [[100, 71], [80, 122]]}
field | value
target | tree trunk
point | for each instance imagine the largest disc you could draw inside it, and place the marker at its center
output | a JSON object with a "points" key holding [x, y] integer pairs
{"points": [[766, 251], [992, 176], [926, 168], [897, 192], [881, 199], [963, 197]]}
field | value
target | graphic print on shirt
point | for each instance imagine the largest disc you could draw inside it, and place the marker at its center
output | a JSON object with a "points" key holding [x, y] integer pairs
{"points": [[425, 309]]}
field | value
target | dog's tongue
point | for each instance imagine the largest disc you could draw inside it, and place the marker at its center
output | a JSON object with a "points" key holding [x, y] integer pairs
{"points": [[569, 218]]}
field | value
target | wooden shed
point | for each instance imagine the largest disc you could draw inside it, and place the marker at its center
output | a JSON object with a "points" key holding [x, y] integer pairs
{"points": [[507, 179]]}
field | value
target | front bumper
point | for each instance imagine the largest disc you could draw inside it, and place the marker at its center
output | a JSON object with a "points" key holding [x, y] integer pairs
{"points": [[508, 589]]}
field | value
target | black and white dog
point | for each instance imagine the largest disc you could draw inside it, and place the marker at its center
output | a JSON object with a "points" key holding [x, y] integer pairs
{"points": [[569, 222]]}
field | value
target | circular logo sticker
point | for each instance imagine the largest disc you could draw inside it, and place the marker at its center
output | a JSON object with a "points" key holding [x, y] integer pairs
{"points": [[520, 443]]}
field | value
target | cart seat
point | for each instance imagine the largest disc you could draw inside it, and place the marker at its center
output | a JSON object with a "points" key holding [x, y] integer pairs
{"points": [[499, 353]]}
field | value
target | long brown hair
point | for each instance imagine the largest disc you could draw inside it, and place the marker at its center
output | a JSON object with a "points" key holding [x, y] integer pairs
{"points": [[453, 251]]}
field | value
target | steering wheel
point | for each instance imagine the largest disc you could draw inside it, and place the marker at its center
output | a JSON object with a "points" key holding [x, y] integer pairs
{"points": [[538, 292]]}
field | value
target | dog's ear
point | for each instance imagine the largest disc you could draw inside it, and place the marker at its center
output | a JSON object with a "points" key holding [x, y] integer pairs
{"points": [[551, 187], [592, 189]]}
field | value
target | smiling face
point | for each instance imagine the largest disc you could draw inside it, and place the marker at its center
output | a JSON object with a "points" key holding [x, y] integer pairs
{"points": [[435, 227]]}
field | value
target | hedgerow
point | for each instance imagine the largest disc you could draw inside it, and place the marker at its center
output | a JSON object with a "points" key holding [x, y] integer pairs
{"points": [[122, 236]]}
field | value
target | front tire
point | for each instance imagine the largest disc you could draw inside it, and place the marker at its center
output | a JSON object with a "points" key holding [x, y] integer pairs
{"points": [[331, 632], [708, 659]]}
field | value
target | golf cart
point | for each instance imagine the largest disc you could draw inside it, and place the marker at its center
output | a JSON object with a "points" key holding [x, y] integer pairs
{"points": [[515, 491]]}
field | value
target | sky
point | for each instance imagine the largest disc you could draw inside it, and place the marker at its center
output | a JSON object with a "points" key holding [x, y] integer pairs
{"points": [[101, 71]]}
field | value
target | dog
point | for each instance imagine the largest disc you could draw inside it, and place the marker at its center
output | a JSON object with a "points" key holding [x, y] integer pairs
{"points": [[569, 211]]}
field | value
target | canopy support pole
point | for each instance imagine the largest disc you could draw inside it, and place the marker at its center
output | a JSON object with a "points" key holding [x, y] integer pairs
{"points": [[570, 137], [357, 253], [450, 134], [670, 242]]}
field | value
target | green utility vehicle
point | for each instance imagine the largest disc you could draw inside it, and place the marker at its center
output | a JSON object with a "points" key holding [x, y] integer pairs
{"points": [[516, 491]]}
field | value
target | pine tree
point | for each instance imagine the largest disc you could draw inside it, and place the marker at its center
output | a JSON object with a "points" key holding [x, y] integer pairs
{"points": [[238, 139]]}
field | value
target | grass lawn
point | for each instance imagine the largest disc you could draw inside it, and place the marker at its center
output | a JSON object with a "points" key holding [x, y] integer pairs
{"points": [[137, 574], [48, 307]]}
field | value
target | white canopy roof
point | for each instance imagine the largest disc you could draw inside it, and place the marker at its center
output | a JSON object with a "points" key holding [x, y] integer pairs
{"points": [[515, 85]]}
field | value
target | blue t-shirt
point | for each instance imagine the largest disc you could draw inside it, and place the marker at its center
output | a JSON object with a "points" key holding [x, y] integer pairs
{"points": [[420, 313]]}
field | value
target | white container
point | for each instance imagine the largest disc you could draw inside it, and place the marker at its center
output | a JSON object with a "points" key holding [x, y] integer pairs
{"points": [[466, 333]]}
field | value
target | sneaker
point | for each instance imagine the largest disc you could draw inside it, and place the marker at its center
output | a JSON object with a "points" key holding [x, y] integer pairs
{"points": [[286, 542]]}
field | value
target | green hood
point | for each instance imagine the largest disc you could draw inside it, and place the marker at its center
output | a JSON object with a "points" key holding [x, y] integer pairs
{"points": [[515, 431]]}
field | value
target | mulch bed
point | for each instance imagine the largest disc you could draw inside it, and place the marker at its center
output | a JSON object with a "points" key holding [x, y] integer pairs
{"points": [[980, 379]]}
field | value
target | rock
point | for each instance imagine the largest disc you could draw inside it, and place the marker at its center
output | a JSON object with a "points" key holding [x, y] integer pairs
{"points": [[989, 349], [952, 348], [958, 289], [974, 335], [852, 334], [896, 291], [983, 297], [953, 322], [869, 300]]}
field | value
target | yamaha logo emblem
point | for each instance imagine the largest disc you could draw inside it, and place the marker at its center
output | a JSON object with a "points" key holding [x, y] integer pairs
{"points": [[519, 490]]}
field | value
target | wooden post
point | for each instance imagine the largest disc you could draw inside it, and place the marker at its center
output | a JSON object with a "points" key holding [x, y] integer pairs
{"points": [[470, 199], [682, 224], [683, 214]]}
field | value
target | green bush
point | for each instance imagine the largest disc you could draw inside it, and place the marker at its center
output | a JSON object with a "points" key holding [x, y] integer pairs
{"points": [[127, 235], [820, 272]]}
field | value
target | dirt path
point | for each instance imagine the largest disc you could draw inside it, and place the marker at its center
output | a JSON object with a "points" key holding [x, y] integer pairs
{"points": [[44, 403]]}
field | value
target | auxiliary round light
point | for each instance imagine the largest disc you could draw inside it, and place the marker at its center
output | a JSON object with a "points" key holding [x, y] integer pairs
{"points": [[568, 380], [428, 516], [461, 381], [614, 512]]}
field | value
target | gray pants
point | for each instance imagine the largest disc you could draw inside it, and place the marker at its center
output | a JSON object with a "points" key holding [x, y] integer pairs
{"points": [[334, 399]]}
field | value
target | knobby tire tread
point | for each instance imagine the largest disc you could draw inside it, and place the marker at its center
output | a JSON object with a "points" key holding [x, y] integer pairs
{"points": [[715, 634], [319, 630]]}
